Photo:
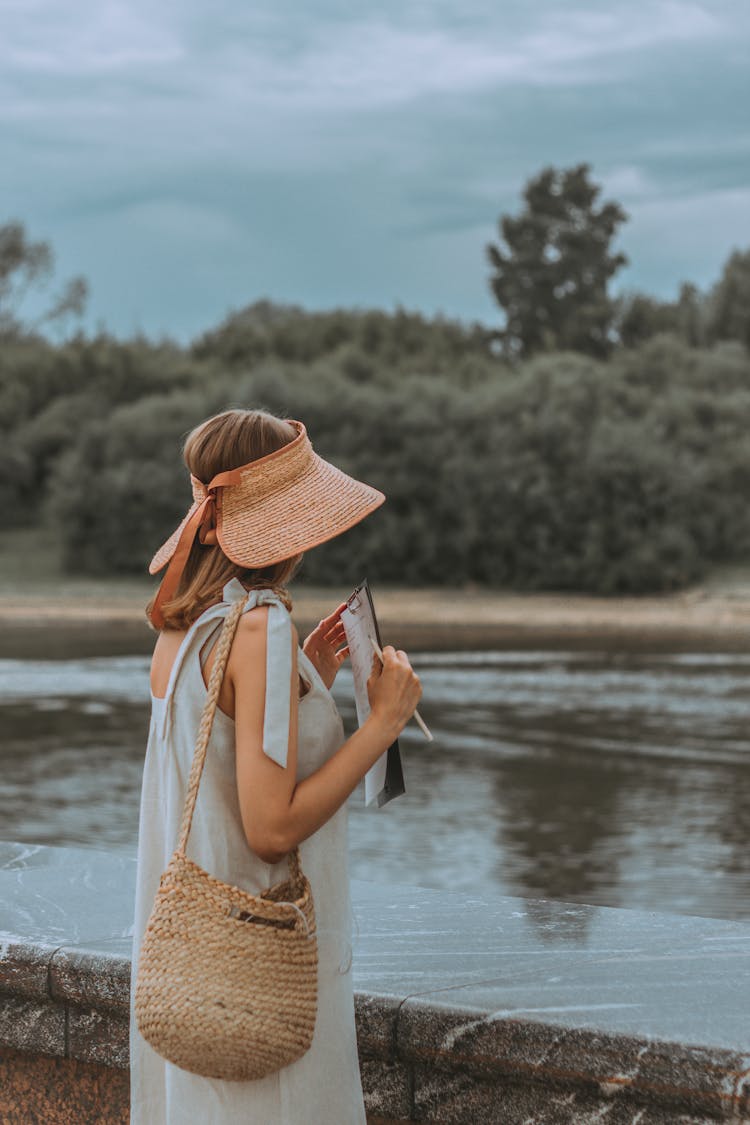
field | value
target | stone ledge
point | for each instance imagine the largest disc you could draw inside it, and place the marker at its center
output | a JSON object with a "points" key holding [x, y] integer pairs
{"points": [[589, 1065], [468, 1009]]}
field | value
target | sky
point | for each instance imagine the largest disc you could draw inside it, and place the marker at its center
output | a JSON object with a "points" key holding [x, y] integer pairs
{"points": [[190, 158]]}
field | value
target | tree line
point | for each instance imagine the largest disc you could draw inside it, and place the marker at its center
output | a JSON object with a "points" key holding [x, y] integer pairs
{"points": [[600, 453], [553, 264]]}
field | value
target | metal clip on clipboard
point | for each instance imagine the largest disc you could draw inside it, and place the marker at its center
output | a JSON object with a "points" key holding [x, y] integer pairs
{"points": [[354, 601]]}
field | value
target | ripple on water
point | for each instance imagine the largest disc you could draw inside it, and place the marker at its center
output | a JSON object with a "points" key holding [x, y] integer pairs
{"points": [[613, 778]]}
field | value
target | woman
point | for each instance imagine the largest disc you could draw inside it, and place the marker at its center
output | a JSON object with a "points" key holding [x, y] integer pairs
{"points": [[278, 770]]}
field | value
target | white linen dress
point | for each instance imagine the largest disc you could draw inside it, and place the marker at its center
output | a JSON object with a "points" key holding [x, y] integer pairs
{"points": [[323, 1087]]}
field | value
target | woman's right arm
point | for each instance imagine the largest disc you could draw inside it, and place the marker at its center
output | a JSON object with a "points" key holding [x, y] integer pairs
{"points": [[277, 812]]}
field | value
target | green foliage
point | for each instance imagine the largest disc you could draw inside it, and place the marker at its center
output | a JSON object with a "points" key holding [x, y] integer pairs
{"points": [[117, 487], [551, 276], [49, 395], [638, 318], [563, 471], [370, 341], [552, 266], [729, 301], [699, 319], [568, 474]]}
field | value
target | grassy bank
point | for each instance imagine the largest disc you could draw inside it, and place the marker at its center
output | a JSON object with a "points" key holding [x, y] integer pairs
{"points": [[34, 594]]}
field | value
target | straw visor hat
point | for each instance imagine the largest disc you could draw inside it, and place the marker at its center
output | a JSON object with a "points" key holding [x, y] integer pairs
{"points": [[267, 510]]}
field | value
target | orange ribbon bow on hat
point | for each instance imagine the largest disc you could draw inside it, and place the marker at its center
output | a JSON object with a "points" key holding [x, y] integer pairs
{"points": [[201, 518]]}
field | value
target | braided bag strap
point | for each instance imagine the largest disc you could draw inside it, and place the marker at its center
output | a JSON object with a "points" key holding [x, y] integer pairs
{"points": [[223, 646]]}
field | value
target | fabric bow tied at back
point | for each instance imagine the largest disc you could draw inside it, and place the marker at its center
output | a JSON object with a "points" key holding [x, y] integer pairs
{"points": [[277, 713], [278, 666]]}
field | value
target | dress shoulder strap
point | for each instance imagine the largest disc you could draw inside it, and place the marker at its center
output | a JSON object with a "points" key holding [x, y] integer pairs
{"points": [[277, 714]]}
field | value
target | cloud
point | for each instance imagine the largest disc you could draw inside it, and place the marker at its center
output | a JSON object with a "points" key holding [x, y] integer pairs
{"points": [[628, 181], [187, 157], [670, 240], [85, 39], [337, 65]]}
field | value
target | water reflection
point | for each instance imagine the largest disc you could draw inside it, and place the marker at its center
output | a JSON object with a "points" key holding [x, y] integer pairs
{"points": [[559, 824], [611, 778]]}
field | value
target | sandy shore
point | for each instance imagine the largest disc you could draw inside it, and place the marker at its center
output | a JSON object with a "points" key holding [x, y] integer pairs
{"points": [[430, 618]]}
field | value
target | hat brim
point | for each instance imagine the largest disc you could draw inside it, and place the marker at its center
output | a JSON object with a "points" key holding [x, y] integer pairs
{"points": [[168, 548], [315, 506]]}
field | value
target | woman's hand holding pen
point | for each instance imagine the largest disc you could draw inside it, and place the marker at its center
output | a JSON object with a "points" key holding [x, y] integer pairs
{"points": [[394, 689]]}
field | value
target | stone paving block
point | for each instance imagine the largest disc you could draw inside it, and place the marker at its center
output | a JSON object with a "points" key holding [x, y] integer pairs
{"points": [[473, 1040], [96, 1035], [742, 1094], [444, 1098], [672, 1078], [89, 977], [32, 1025], [387, 1088], [24, 967], [376, 1024]]}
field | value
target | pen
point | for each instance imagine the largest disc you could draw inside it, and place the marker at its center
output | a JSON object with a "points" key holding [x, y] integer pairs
{"points": [[417, 715]]}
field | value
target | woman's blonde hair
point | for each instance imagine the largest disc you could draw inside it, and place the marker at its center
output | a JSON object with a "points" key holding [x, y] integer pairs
{"points": [[223, 442]]}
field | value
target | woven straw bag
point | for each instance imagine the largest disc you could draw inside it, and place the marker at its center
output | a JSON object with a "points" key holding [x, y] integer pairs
{"points": [[227, 980]]}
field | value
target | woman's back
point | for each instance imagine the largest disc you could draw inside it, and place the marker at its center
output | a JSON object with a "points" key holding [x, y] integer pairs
{"points": [[324, 1084]]}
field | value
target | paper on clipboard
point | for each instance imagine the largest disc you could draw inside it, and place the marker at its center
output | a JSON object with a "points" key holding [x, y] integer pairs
{"points": [[385, 779]]}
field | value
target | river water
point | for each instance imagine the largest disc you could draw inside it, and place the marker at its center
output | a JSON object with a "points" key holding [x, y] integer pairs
{"points": [[620, 779]]}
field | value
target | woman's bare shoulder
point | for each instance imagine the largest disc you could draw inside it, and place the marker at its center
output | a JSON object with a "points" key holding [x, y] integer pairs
{"points": [[251, 632], [165, 650]]}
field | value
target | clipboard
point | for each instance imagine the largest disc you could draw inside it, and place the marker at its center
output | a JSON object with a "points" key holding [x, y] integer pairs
{"points": [[385, 779]]}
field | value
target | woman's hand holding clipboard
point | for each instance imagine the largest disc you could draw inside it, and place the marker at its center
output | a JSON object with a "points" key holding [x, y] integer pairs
{"points": [[385, 779]]}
